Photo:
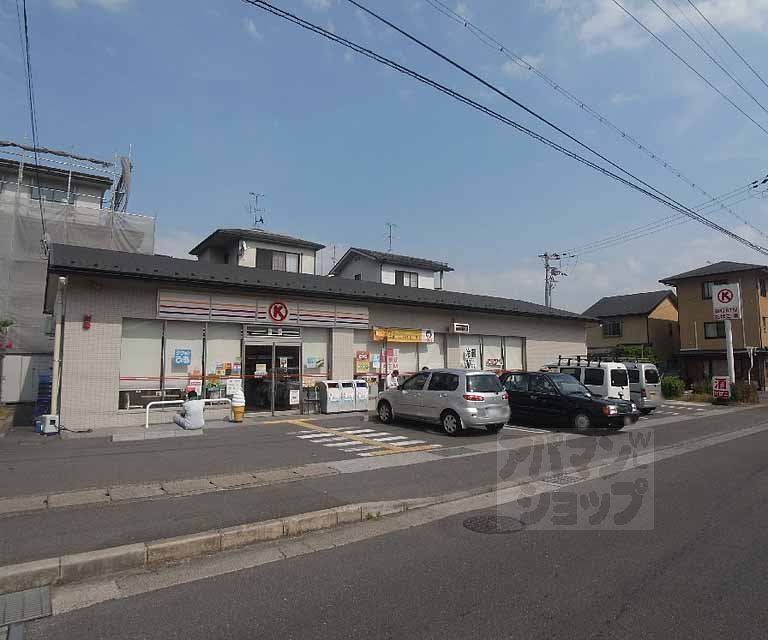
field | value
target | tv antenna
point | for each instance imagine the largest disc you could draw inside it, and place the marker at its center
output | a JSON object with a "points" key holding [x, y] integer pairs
{"points": [[254, 210], [390, 226]]}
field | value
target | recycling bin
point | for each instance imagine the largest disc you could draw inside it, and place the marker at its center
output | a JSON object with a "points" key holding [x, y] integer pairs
{"points": [[361, 395], [347, 395], [329, 395]]}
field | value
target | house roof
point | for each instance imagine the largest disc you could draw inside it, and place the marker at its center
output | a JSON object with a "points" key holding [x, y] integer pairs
{"points": [[390, 258], [633, 304], [68, 259], [79, 176], [224, 237], [718, 268]]}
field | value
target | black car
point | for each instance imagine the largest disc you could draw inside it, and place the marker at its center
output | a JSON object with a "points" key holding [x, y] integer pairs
{"points": [[559, 399]]}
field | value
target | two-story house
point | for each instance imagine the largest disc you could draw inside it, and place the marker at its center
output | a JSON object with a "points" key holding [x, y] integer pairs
{"points": [[260, 249], [647, 320], [702, 339], [390, 268]]}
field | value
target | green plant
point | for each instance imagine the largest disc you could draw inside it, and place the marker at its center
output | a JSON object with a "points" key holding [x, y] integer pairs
{"points": [[744, 392], [672, 387], [702, 387], [624, 352]]}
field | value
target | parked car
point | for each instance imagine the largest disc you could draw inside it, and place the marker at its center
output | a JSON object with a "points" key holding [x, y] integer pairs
{"points": [[644, 385], [603, 378], [454, 398], [558, 399]]}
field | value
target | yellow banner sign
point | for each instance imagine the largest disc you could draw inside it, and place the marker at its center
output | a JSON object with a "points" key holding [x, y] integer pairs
{"points": [[403, 335]]}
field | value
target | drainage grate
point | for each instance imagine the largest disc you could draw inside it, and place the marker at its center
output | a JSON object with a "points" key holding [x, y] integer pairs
{"points": [[493, 524], [454, 451], [25, 605], [561, 479]]}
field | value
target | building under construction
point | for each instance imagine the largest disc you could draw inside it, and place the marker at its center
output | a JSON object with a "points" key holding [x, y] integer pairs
{"points": [[46, 197]]}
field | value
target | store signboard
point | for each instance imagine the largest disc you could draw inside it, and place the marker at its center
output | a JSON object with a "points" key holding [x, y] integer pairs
{"points": [[393, 334], [721, 387], [182, 357], [362, 362], [726, 302]]}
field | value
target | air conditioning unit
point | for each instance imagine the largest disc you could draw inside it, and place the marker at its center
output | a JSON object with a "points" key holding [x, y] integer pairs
{"points": [[459, 327]]}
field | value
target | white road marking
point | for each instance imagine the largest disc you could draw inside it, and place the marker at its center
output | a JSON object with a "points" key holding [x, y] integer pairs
{"points": [[408, 443], [354, 431], [358, 449], [390, 438], [313, 435], [324, 440], [347, 443], [512, 428]]}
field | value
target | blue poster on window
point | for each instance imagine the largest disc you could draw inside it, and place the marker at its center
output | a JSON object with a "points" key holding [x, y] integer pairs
{"points": [[182, 357]]}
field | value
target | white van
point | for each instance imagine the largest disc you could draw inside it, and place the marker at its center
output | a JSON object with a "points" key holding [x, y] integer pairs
{"points": [[645, 385], [603, 378]]}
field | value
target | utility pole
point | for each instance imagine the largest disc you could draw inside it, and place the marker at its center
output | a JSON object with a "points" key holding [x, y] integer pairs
{"points": [[390, 226], [551, 273]]}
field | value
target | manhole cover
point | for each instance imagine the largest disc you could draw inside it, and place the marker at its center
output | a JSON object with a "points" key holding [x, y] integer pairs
{"points": [[493, 524]]}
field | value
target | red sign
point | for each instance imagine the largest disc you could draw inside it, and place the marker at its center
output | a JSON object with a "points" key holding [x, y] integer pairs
{"points": [[725, 296], [721, 387], [278, 311]]}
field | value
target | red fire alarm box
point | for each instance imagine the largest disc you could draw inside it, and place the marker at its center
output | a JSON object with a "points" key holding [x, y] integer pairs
{"points": [[87, 321]]}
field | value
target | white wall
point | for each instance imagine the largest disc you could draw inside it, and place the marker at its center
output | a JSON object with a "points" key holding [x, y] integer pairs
{"points": [[369, 270], [426, 277], [307, 255]]}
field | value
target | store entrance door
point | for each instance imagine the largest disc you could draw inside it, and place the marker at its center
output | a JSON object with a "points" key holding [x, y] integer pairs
{"points": [[272, 377]]}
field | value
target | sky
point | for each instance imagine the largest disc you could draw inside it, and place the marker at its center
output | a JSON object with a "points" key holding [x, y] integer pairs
{"points": [[219, 99]]}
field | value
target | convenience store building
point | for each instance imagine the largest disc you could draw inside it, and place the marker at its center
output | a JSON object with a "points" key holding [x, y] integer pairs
{"points": [[131, 328]]}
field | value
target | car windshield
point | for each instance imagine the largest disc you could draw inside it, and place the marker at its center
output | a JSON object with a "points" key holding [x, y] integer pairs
{"points": [[568, 385], [488, 383], [652, 376]]}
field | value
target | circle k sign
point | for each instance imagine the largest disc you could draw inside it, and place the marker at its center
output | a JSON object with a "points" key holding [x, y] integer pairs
{"points": [[278, 311], [726, 301]]}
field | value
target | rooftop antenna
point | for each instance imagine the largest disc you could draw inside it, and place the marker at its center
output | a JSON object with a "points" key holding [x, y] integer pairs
{"points": [[253, 209], [390, 226]]}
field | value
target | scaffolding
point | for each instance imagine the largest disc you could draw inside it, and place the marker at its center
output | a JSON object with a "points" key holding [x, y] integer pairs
{"points": [[68, 220]]}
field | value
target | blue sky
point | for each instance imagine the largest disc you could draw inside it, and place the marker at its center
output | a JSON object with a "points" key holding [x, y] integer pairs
{"points": [[219, 98]]}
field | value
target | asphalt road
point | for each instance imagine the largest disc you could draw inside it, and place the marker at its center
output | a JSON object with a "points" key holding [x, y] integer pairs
{"points": [[42, 534], [701, 571]]}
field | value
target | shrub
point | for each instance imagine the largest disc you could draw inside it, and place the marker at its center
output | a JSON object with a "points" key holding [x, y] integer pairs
{"points": [[702, 387], [672, 387], [744, 392]]}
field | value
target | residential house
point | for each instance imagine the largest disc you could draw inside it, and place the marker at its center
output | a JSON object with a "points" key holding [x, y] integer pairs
{"points": [[702, 339], [260, 249], [646, 320], [390, 268]]}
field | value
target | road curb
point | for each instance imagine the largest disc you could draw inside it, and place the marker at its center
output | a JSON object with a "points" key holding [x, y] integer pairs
{"points": [[102, 562]]}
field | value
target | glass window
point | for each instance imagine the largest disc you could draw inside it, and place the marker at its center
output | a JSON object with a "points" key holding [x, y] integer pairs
{"points": [[415, 383], [706, 289], [612, 328], [432, 354], [140, 349], [140, 357], [405, 358], [358, 276], [443, 382], [568, 385], [652, 376], [483, 383], [263, 259], [513, 353], [542, 385], [183, 353], [222, 354], [571, 371], [292, 262], [407, 278], [763, 291], [315, 345], [594, 376], [714, 329], [516, 382], [492, 357], [619, 378], [634, 375], [278, 261]]}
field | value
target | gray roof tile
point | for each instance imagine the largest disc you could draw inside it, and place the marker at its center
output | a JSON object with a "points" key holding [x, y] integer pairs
{"points": [[632, 304]]}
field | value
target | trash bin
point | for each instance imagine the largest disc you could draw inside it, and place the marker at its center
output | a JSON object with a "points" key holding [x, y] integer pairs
{"points": [[347, 395], [361, 395], [329, 395]]}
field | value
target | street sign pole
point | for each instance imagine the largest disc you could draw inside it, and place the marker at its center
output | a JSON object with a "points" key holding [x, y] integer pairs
{"points": [[729, 351]]}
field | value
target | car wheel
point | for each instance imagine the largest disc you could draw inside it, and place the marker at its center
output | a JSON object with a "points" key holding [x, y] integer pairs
{"points": [[494, 428], [645, 412], [581, 422], [451, 423], [384, 411]]}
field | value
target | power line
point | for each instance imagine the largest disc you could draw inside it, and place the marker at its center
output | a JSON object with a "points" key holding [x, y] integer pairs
{"points": [[687, 64], [706, 53], [724, 39], [32, 117], [491, 42], [663, 198], [517, 103]]}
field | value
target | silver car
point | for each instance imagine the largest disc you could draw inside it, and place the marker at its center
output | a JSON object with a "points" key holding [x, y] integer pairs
{"points": [[454, 398]]}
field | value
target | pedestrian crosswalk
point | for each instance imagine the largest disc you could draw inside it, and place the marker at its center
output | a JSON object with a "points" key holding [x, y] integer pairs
{"points": [[363, 442]]}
